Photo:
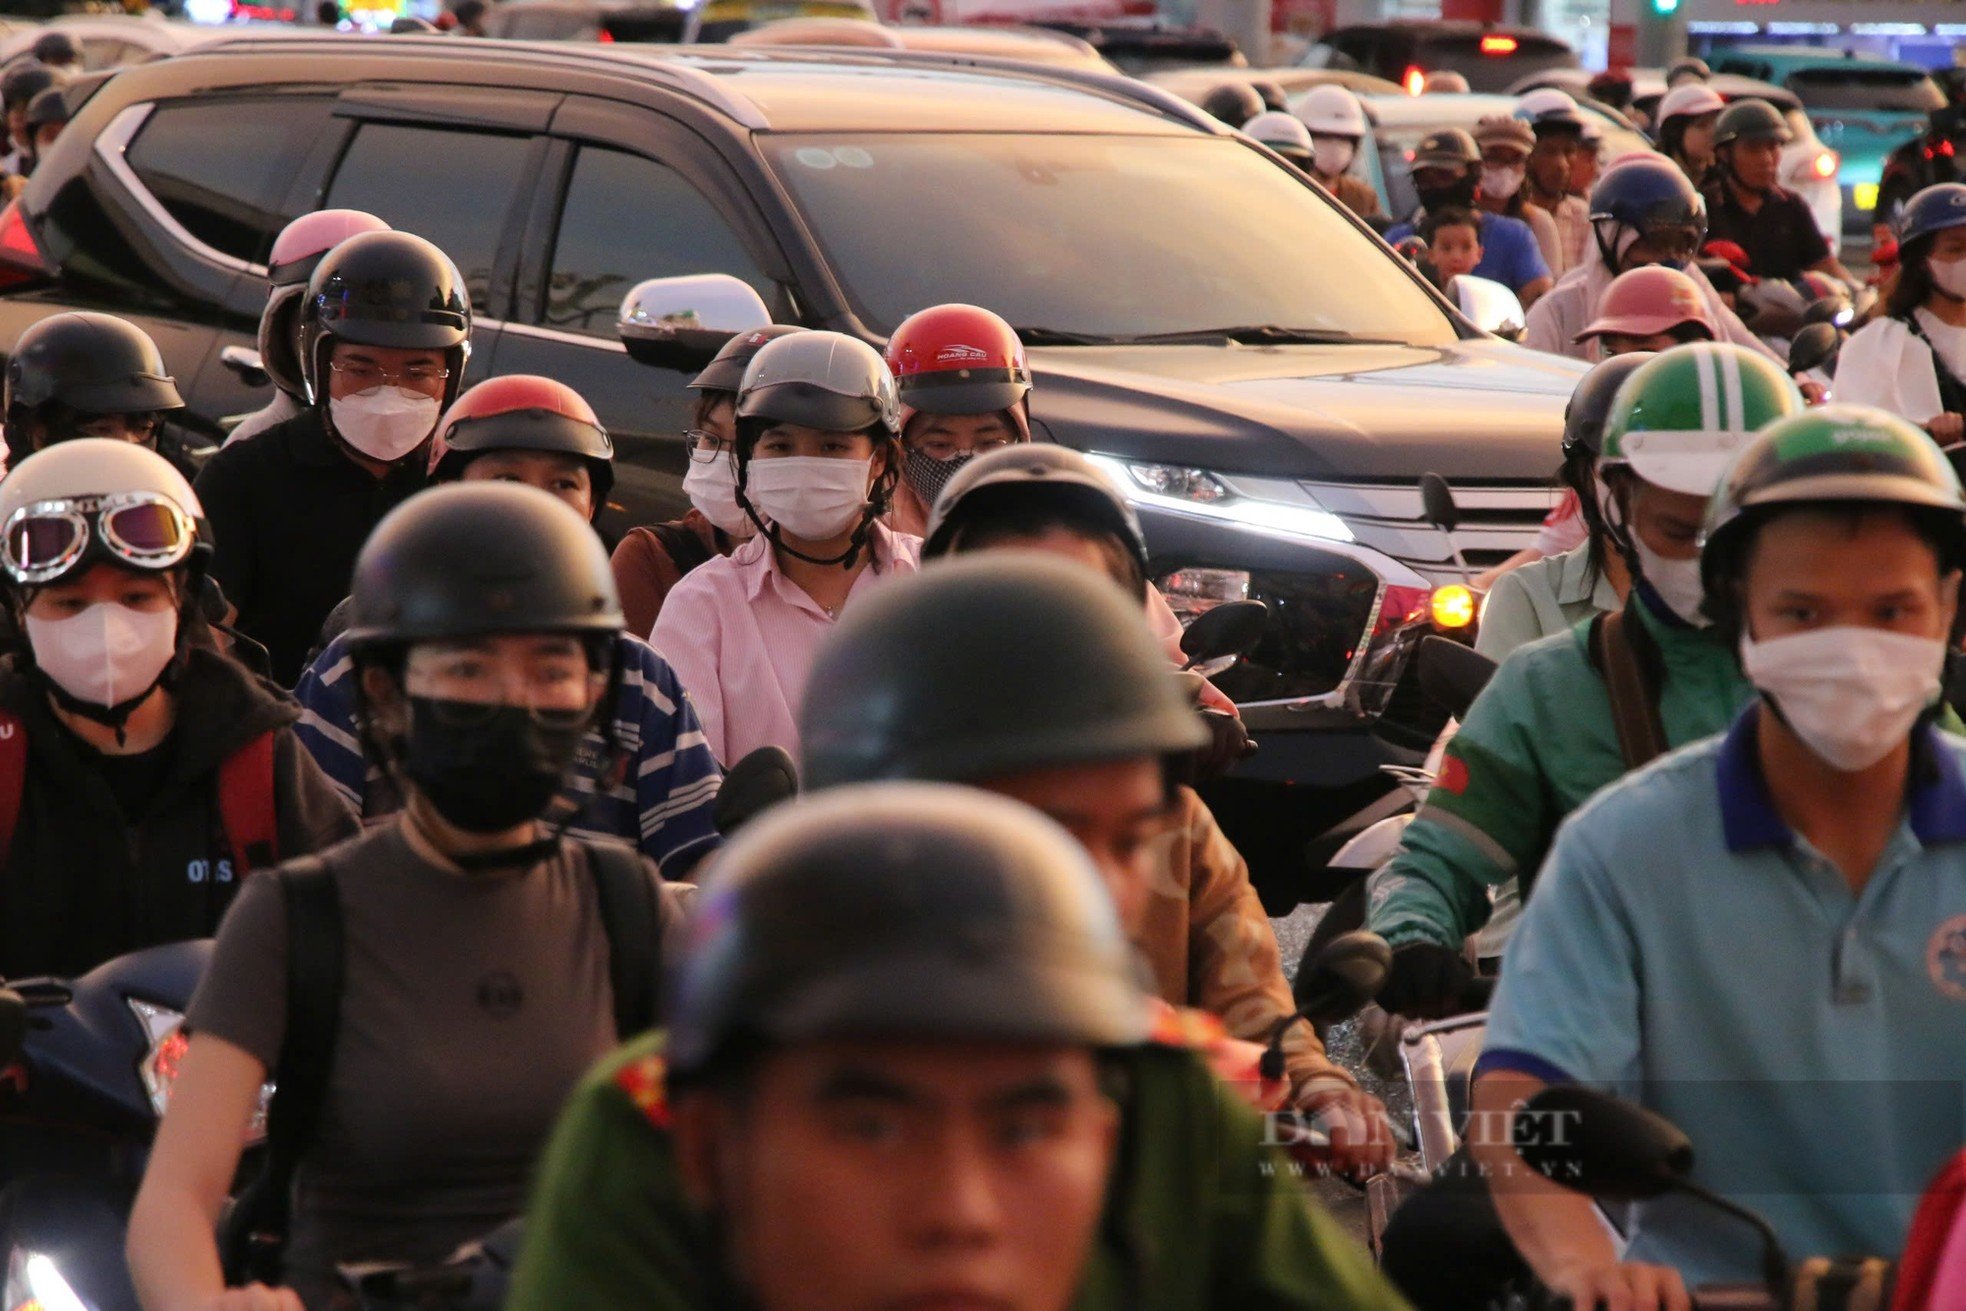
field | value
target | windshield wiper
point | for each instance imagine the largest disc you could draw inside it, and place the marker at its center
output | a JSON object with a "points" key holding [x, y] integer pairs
{"points": [[1056, 337], [1263, 334]]}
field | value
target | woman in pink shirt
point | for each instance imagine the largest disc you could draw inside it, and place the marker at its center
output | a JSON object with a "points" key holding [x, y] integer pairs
{"points": [[818, 455]]}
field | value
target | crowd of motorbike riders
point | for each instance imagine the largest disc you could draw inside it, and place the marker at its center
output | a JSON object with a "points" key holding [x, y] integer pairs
{"points": [[993, 1016]]}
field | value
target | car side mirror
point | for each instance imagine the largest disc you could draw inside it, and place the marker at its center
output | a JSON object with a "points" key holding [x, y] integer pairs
{"points": [[244, 363], [1227, 632], [681, 323], [1346, 974], [1490, 306], [754, 785]]}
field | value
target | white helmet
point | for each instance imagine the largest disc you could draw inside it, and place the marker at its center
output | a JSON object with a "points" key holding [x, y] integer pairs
{"points": [[1280, 132], [1332, 111], [1545, 100], [1689, 99]]}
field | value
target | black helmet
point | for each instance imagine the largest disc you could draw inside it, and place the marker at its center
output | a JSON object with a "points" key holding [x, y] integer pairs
{"points": [[387, 289], [476, 559], [23, 82], [1652, 198], [50, 106], [1688, 67], [56, 49], [1750, 119], [1031, 474], [726, 371], [89, 364], [1271, 94], [903, 910], [1590, 404], [411, 25], [1450, 147], [1235, 103], [990, 664]]}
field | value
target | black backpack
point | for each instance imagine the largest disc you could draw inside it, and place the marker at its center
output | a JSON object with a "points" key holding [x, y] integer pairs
{"points": [[253, 1234]]}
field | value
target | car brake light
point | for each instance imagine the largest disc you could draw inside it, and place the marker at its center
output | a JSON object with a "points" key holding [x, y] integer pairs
{"points": [[1498, 45], [1414, 80], [1399, 605], [606, 37], [1945, 147], [21, 260], [1825, 164]]}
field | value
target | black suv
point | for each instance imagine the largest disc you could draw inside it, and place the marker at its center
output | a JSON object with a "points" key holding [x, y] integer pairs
{"points": [[1259, 373]]}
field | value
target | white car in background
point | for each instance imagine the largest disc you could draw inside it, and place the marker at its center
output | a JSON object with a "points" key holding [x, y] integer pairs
{"points": [[1809, 168]]}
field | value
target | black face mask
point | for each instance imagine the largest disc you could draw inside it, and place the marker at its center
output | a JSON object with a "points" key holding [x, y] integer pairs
{"points": [[1457, 195], [928, 475], [488, 768]]}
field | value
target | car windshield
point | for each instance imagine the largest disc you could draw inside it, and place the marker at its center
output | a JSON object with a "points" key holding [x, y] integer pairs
{"points": [[1888, 89], [1096, 238]]}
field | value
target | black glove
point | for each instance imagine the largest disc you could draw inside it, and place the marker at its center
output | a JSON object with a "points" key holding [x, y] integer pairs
{"points": [[1228, 742], [1426, 982]]}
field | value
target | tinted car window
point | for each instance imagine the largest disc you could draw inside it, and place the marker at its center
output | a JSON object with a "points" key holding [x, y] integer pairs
{"points": [[1859, 89], [627, 218], [1493, 62], [222, 184], [1095, 236], [454, 188]]}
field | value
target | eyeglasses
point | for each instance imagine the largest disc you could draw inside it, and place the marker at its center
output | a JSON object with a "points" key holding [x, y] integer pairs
{"points": [[45, 540], [705, 446], [365, 375]]}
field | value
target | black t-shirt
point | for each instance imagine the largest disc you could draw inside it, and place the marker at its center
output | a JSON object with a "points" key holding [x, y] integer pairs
{"points": [[1781, 238], [289, 512], [134, 780]]}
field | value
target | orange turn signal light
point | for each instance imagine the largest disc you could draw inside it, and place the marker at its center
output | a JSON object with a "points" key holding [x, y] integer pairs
{"points": [[1452, 606]]}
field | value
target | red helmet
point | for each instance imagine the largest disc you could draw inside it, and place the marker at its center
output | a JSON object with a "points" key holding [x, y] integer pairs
{"points": [[1650, 300], [960, 359], [524, 412], [301, 243], [1732, 252]]}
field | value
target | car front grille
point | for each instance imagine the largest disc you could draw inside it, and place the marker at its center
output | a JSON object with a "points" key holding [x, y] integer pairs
{"points": [[1497, 520]]}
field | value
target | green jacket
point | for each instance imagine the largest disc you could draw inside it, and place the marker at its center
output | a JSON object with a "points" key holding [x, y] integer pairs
{"points": [[1536, 744], [1214, 1218]]}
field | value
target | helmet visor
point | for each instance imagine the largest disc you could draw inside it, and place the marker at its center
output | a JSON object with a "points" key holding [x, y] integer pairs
{"points": [[45, 540]]}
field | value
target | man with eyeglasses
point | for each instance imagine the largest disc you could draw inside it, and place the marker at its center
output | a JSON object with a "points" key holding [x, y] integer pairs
{"points": [[89, 375], [385, 331]]}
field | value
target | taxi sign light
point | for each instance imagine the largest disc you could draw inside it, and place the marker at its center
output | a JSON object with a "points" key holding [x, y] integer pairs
{"points": [[1498, 45]]}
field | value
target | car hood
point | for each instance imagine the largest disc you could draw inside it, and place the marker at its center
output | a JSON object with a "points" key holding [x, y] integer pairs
{"points": [[1479, 410]]}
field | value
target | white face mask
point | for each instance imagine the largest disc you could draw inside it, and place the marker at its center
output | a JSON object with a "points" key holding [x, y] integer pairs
{"points": [[1501, 183], [1850, 694], [711, 486], [107, 654], [1676, 581], [810, 496], [1949, 275], [1332, 155], [385, 423]]}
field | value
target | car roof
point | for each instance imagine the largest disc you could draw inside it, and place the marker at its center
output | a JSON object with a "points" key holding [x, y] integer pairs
{"points": [[1650, 84], [1195, 83], [1448, 27], [794, 89], [1793, 58], [1030, 43]]}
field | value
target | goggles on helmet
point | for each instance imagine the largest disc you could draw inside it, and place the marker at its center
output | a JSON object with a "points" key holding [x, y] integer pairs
{"points": [[46, 539]]}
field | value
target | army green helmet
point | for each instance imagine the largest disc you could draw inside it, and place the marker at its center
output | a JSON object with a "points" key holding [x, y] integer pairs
{"points": [[1682, 417], [1749, 119], [1849, 453]]}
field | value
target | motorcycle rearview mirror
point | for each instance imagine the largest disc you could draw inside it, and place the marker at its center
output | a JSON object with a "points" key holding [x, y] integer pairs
{"points": [[1815, 347], [754, 785], [1603, 1146], [1344, 975], [1437, 500], [13, 1026], [681, 323], [1228, 631], [1451, 675]]}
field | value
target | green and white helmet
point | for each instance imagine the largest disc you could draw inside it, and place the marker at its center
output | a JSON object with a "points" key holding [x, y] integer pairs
{"points": [[1849, 453], [1679, 421]]}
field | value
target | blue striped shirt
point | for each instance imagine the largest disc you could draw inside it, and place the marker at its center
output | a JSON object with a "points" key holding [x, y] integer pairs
{"points": [[663, 804]]}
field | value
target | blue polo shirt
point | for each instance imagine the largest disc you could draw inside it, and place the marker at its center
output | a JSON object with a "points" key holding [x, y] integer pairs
{"points": [[1688, 950], [1509, 253]]}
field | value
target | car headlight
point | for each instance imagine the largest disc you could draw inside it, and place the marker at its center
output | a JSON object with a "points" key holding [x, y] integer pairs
{"points": [[35, 1284], [163, 1029], [1200, 492], [1192, 593]]}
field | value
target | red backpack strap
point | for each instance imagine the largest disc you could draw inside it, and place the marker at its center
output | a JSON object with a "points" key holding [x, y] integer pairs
{"points": [[13, 777], [245, 806]]}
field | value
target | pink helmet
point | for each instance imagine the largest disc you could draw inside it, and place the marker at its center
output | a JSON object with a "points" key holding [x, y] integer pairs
{"points": [[1650, 300], [298, 249]]}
